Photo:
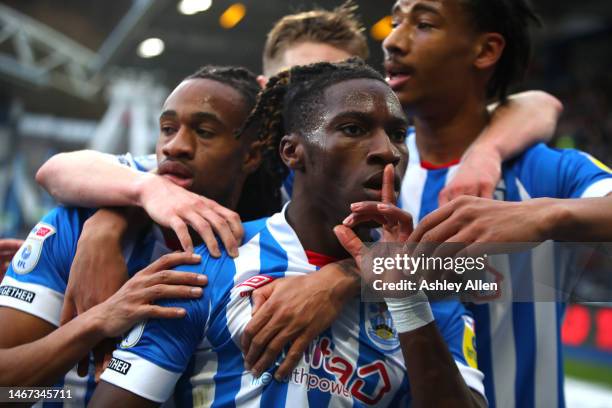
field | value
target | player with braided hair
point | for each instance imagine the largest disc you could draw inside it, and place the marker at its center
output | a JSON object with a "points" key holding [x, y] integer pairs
{"points": [[340, 128], [202, 147]]}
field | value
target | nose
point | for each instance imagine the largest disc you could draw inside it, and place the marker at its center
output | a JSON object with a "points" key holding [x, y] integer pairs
{"points": [[383, 151], [397, 43], [181, 145]]}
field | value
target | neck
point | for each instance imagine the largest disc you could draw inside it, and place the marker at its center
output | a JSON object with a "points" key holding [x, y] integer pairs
{"points": [[314, 225], [444, 133]]}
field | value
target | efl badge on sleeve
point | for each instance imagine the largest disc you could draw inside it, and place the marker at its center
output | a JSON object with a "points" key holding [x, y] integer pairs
{"points": [[28, 255]]}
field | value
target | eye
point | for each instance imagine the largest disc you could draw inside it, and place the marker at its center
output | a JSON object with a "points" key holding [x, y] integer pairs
{"points": [[398, 135], [352, 130], [422, 25], [204, 133], [167, 130]]}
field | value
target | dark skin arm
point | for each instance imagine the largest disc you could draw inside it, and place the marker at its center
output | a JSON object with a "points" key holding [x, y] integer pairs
{"points": [[434, 376], [35, 353], [107, 395]]}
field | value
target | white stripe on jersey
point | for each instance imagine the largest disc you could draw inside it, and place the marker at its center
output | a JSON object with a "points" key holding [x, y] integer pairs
{"points": [[543, 261], [598, 189], [37, 300], [144, 375]]}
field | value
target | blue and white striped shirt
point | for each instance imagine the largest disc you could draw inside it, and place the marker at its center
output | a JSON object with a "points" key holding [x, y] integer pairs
{"points": [[519, 348], [356, 362]]}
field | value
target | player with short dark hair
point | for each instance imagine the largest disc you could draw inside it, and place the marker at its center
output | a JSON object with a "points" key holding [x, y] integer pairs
{"points": [[348, 128], [443, 59]]}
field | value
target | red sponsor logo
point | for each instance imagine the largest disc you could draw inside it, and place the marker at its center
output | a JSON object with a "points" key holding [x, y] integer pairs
{"points": [[43, 231], [253, 283]]}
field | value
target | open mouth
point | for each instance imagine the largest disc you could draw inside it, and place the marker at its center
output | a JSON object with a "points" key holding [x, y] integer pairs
{"points": [[397, 75]]}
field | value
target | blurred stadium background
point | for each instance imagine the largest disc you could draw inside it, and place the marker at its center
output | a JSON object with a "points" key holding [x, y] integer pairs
{"points": [[92, 74]]}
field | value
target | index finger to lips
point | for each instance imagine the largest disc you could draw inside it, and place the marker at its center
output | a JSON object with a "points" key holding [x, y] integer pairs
{"points": [[388, 185]]}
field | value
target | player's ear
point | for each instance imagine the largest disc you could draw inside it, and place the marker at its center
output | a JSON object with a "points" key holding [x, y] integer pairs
{"points": [[489, 49], [253, 157], [292, 151]]}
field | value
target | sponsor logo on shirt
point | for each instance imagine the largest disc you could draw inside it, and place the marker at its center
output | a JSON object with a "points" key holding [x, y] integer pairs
{"points": [[118, 365], [17, 293], [28, 255]]}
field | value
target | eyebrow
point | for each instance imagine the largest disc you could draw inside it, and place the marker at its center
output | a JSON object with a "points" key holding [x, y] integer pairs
{"points": [[196, 116], [420, 7]]}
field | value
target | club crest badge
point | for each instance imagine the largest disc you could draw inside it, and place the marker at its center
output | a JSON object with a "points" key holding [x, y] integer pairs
{"points": [[379, 327], [133, 337], [28, 255]]}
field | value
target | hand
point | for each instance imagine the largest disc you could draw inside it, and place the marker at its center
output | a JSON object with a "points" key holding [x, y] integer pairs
{"points": [[473, 220], [396, 228], [174, 207], [477, 175], [295, 309], [8, 249], [134, 302]]}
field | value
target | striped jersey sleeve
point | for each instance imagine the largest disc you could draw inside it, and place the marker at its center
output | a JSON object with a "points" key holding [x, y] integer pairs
{"points": [[36, 279], [155, 353], [562, 173]]}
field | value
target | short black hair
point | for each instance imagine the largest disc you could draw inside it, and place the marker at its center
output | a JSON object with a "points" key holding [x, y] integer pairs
{"points": [[239, 78], [291, 101], [511, 19], [259, 198]]}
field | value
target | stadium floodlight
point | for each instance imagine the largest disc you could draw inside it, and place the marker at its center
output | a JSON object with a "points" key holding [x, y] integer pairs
{"points": [[381, 29], [151, 47], [191, 7], [232, 16]]}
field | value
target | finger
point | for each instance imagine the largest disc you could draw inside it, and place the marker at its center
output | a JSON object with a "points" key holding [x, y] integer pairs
{"points": [[233, 220], [205, 231], [182, 233], [273, 350], [161, 312], [400, 218], [223, 230], [83, 366], [295, 353], [68, 311], [157, 292], [176, 278], [169, 261], [349, 241], [430, 221], [487, 191], [102, 364], [261, 342], [260, 295], [444, 196], [354, 220], [388, 184], [254, 326]]}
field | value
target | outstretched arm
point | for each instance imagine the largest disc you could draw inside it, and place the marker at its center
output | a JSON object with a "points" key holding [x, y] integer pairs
{"points": [[524, 120], [42, 361], [91, 179]]}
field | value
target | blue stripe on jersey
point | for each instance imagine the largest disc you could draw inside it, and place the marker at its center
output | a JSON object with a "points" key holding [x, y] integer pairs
{"points": [[560, 370], [317, 398], [183, 391], [436, 179], [273, 258], [230, 363]]}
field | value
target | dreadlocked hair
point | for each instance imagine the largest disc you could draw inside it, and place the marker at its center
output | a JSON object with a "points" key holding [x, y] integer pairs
{"points": [[292, 101], [258, 197]]}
